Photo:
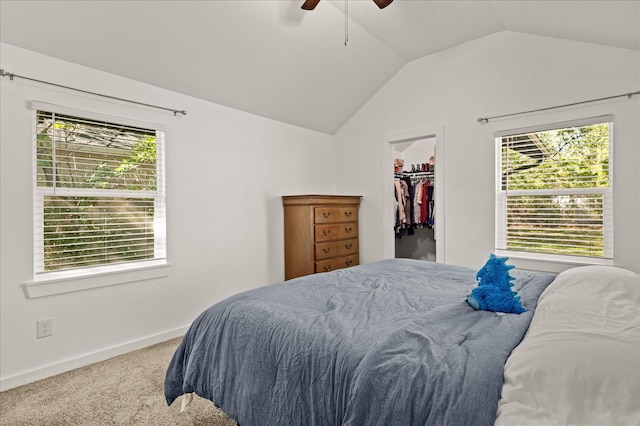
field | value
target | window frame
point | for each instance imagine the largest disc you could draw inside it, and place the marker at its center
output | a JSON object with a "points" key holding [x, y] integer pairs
{"points": [[46, 283], [501, 195]]}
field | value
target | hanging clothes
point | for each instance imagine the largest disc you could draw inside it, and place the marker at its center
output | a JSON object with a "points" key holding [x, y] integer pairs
{"points": [[417, 202], [414, 195], [403, 195], [431, 217]]}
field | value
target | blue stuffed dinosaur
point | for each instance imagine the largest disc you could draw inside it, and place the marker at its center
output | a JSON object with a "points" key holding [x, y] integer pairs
{"points": [[494, 292]]}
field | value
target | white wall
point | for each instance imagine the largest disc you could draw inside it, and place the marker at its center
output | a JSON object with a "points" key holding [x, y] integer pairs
{"points": [[499, 74], [226, 172]]}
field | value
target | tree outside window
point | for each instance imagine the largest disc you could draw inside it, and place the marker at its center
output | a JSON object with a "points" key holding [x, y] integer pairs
{"points": [[99, 193], [554, 191]]}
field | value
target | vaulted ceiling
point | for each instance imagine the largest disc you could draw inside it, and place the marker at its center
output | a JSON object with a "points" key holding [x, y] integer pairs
{"points": [[276, 60]]}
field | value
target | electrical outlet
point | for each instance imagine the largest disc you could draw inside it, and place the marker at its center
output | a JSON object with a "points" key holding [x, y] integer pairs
{"points": [[45, 327]]}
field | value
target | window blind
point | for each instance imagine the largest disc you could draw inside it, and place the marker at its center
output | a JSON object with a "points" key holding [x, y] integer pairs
{"points": [[554, 190], [99, 193]]}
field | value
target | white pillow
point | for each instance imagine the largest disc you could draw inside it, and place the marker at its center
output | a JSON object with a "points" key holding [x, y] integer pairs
{"points": [[579, 362]]}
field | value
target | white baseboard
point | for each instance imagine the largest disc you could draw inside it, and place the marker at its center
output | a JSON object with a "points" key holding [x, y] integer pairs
{"points": [[7, 383]]}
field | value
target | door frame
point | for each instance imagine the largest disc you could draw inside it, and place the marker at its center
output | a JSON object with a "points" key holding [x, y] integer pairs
{"points": [[389, 202]]}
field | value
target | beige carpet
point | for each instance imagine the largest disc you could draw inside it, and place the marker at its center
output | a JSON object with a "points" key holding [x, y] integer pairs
{"points": [[126, 390]]}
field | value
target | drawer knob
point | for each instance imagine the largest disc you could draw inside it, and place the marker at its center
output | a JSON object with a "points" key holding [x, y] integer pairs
{"points": [[326, 250], [348, 262], [347, 229], [327, 268], [347, 214], [326, 232], [348, 246], [326, 214]]}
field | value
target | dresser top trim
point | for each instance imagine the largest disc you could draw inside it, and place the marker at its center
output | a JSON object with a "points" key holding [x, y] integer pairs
{"points": [[321, 199]]}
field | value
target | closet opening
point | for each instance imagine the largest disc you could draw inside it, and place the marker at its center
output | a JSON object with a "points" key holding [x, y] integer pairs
{"points": [[414, 182], [415, 210]]}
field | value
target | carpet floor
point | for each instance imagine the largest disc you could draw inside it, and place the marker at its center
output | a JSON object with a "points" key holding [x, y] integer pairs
{"points": [[125, 390]]}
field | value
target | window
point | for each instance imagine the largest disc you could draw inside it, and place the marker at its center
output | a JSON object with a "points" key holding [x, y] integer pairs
{"points": [[554, 192], [99, 196]]}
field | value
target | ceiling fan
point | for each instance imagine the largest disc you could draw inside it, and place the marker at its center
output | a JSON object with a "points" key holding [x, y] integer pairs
{"points": [[311, 4]]}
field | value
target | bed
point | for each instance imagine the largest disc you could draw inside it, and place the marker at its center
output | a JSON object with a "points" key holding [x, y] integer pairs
{"points": [[386, 343]]}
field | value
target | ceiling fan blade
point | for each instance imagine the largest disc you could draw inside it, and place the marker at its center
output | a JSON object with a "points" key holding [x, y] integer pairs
{"points": [[310, 4], [382, 3]]}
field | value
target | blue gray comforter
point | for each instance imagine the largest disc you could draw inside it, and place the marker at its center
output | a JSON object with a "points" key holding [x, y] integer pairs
{"points": [[393, 342]]}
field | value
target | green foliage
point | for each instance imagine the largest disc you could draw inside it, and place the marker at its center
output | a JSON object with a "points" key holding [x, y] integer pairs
{"points": [[576, 157], [135, 172], [90, 231], [139, 169], [568, 161], [84, 231]]}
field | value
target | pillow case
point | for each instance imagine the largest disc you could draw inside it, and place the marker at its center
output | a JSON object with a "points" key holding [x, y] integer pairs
{"points": [[578, 362]]}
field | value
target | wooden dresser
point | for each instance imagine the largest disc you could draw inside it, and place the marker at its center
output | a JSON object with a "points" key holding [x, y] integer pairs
{"points": [[320, 233]]}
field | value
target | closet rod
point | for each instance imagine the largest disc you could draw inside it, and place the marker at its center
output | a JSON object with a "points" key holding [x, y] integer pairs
{"points": [[409, 174], [11, 76], [485, 120]]}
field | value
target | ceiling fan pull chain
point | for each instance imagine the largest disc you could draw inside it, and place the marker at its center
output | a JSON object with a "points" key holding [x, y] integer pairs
{"points": [[346, 21]]}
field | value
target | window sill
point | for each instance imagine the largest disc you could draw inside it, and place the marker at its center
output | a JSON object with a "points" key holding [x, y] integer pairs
{"points": [[54, 284]]}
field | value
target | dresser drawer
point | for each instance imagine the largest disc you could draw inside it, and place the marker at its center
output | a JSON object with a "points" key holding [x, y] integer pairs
{"points": [[335, 214], [336, 231], [337, 263], [336, 248]]}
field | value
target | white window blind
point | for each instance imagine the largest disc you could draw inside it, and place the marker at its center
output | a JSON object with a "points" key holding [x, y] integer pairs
{"points": [[99, 196], [554, 191]]}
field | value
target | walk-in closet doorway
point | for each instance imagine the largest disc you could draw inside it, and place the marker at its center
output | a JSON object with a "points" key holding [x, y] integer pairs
{"points": [[422, 155]]}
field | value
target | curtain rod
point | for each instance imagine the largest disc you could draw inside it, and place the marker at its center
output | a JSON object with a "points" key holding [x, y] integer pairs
{"points": [[485, 120], [11, 76]]}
